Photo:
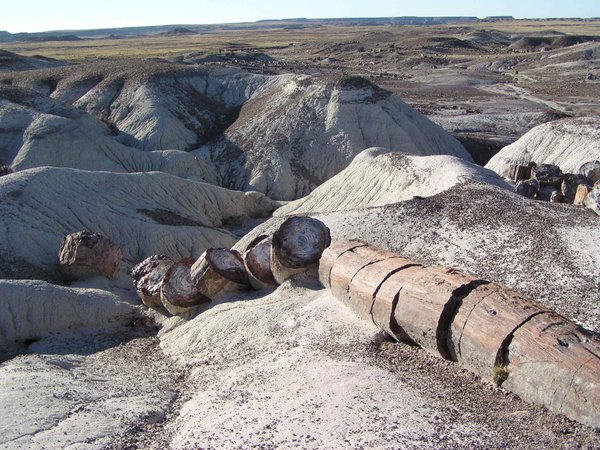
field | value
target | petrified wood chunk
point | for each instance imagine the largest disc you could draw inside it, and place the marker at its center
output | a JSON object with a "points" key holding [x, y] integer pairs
{"points": [[548, 175], [257, 259], [581, 193], [84, 254], [551, 361], [591, 169], [148, 276], [297, 245], [527, 188], [570, 185], [177, 292], [546, 193], [518, 173], [219, 270], [592, 200]]}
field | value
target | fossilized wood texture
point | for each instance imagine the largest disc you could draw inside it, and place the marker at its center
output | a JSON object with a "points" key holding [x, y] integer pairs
{"points": [[257, 259], [491, 330], [177, 292], [297, 245], [84, 255], [148, 277], [219, 270]]}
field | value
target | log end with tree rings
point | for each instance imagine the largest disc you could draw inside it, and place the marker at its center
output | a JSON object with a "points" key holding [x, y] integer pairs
{"points": [[297, 245], [148, 277], [257, 259], [229, 264], [178, 293], [219, 270]]}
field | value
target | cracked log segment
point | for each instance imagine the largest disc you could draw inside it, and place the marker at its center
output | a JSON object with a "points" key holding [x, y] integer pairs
{"points": [[219, 270], [257, 259], [148, 276], [491, 330], [85, 255], [178, 293], [297, 246]]}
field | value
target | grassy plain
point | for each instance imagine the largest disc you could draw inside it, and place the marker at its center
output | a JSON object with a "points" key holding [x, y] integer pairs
{"points": [[273, 39]]}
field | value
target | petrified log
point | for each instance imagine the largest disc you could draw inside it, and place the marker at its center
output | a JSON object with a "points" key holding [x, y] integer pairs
{"points": [[527, 188], [581, 193], [331, 254], [518, 173], [426, 304], [491, 330], [485, 317], [545, 194], [592, 200], [84, 255], [148, 276], [257, 259], [386, 301], [177, 291], [552, 362], [297, 245], [548, 175], [570, 185], [349, 264], [219, 270], [591, 169]]}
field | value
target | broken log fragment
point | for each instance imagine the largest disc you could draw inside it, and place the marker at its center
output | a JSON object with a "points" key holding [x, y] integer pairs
{"points": [[551, 361], [177, 292], [297, 245], [148, 276], [85, 254], [257, 259], [219, 270]]}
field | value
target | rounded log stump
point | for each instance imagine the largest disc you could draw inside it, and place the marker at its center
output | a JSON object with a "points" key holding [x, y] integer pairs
{"points": [[219, 270], [297, 245], [257, 259], [148, 276], [178, 293]]}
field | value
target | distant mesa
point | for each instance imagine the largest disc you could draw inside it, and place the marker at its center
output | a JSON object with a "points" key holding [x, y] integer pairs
{"points": [[179, 31]]}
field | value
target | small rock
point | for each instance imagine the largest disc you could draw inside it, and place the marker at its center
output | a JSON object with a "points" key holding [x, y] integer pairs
{"points": [[527, 188], [592, 200], [546, 193], [556, 197], [591, 169], [570, 184], [548, 175], [84, 255], [582, 192]]}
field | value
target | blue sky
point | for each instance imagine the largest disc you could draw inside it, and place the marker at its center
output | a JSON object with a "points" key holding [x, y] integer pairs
{"points": [[81, 14]]}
